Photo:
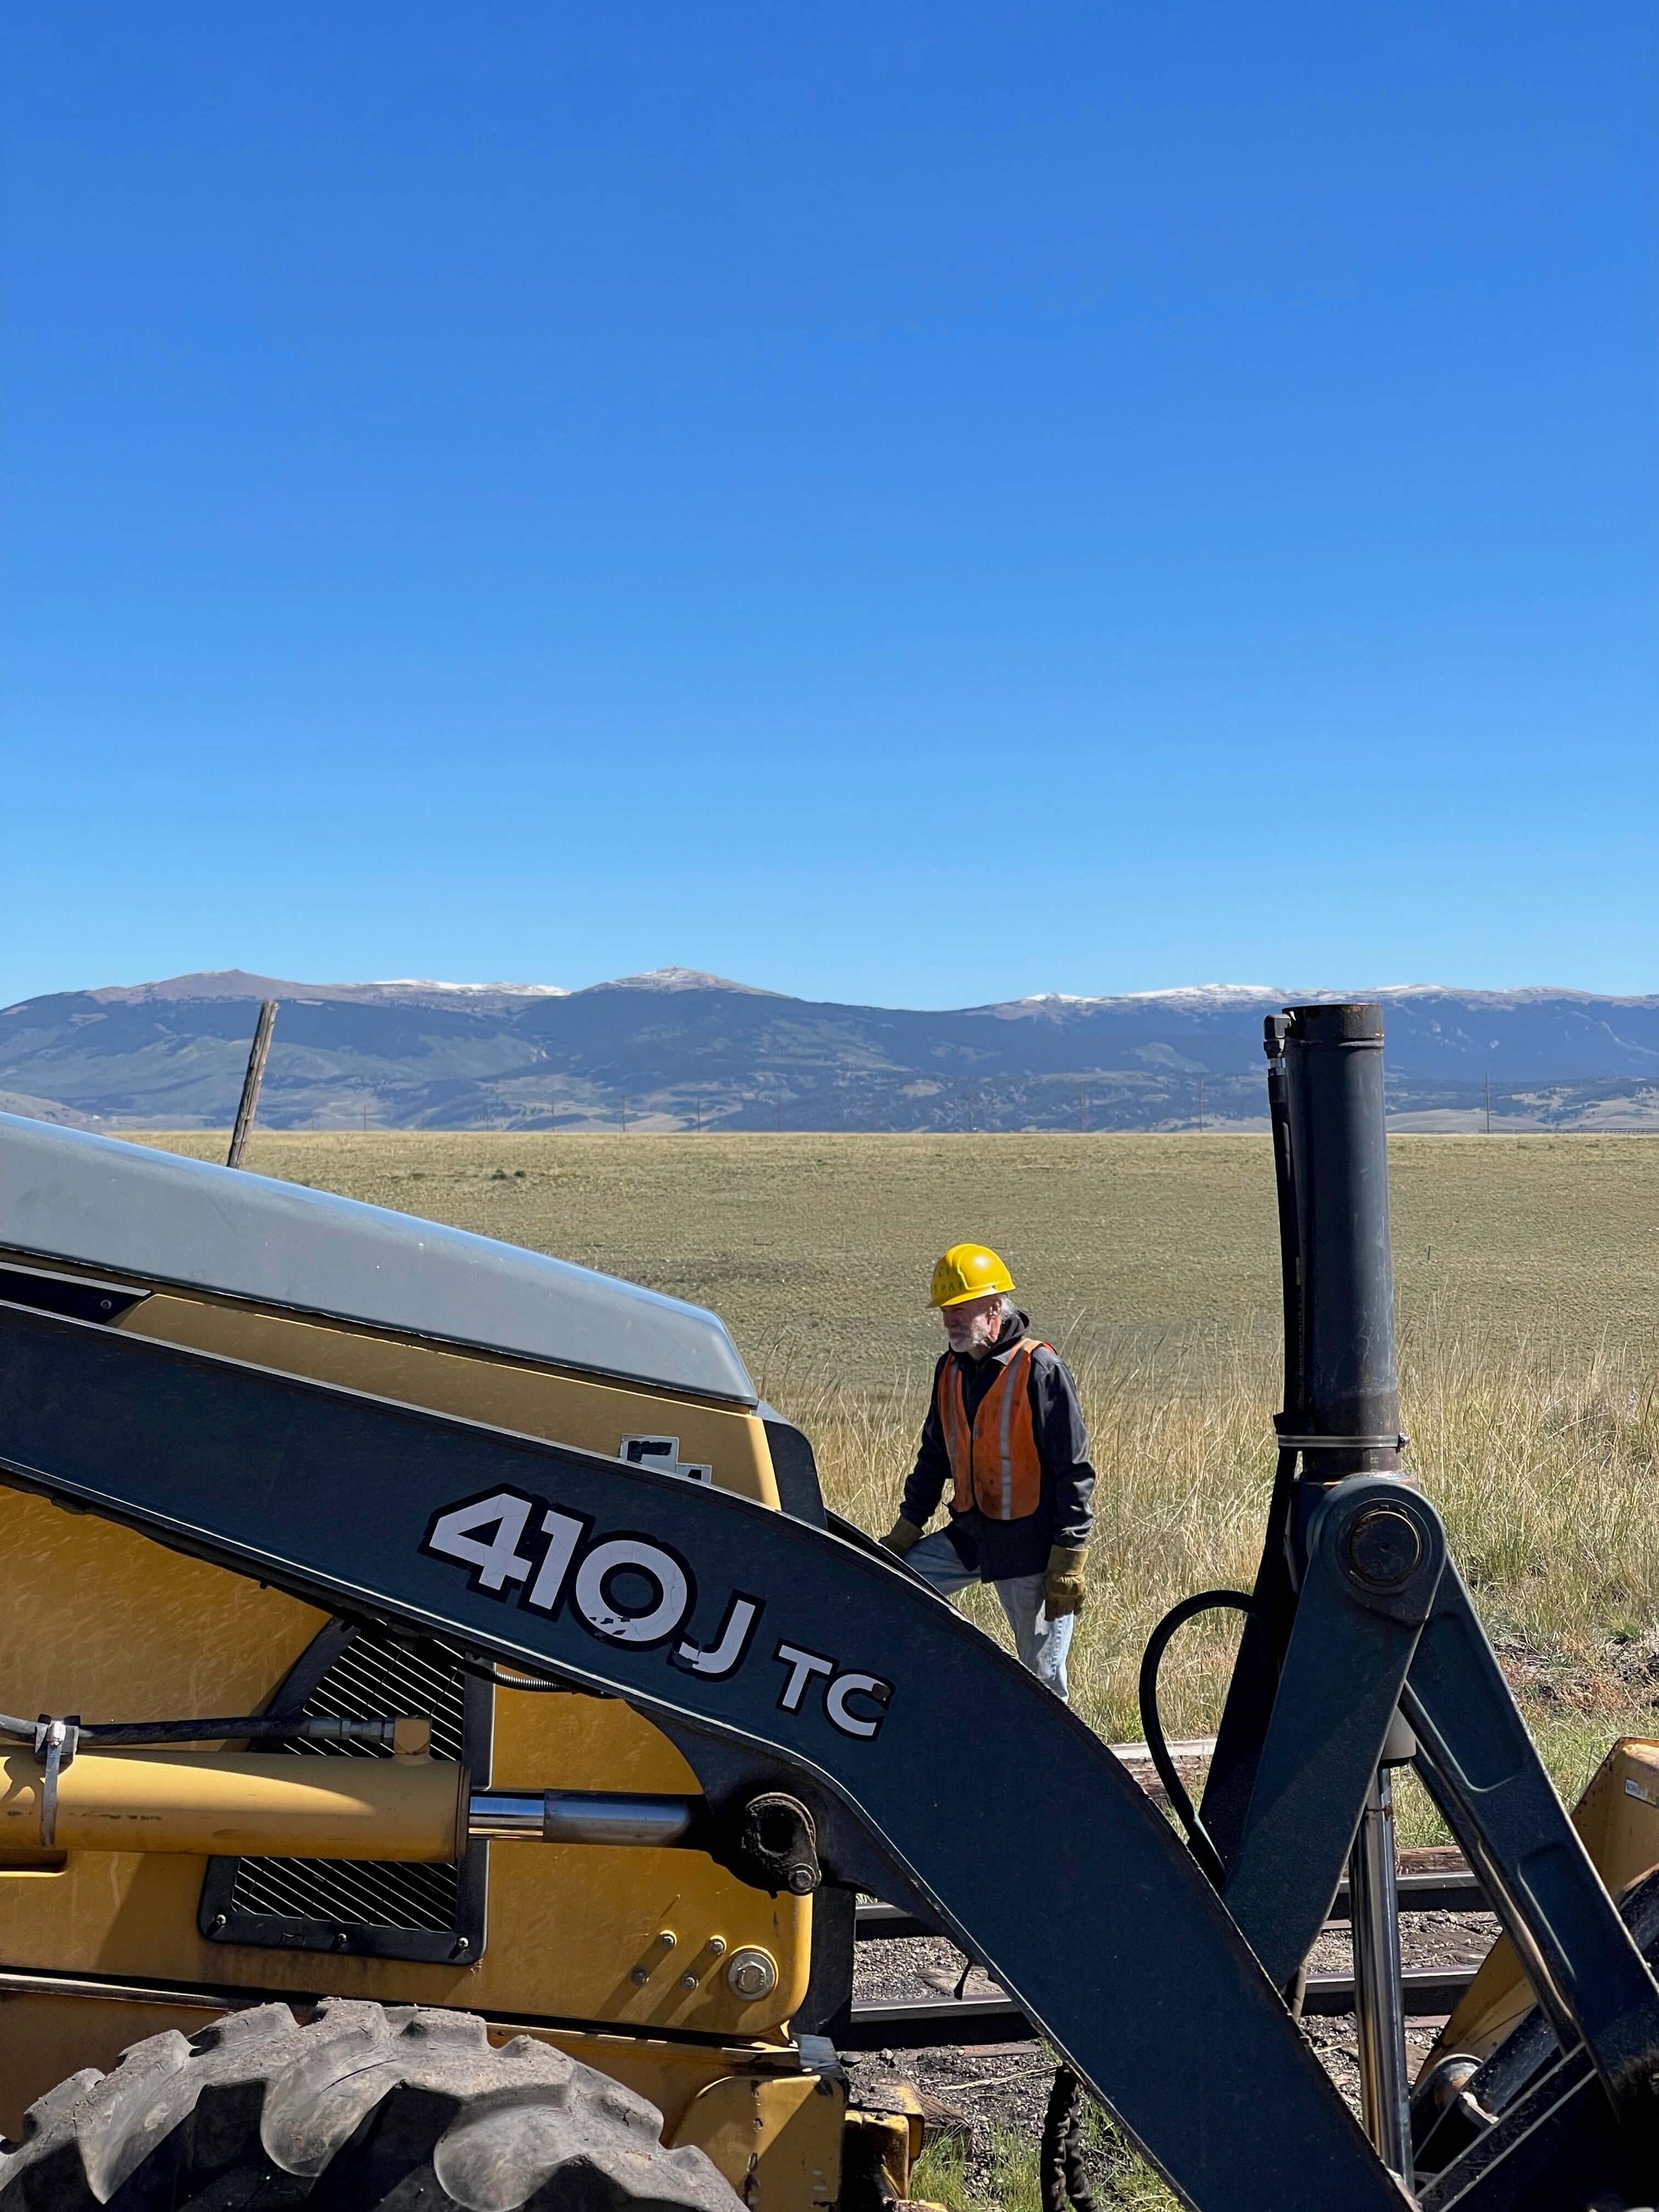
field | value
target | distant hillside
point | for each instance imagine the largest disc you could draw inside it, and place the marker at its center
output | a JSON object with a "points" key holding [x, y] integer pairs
{"points": [[679, 1049]]}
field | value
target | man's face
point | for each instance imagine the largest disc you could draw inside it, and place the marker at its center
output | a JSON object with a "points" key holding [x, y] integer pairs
{"points": [[975, 1326]]}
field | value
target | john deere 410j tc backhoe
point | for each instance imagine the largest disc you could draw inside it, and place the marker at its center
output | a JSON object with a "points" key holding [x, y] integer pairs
{"points": [[462, 1735]]}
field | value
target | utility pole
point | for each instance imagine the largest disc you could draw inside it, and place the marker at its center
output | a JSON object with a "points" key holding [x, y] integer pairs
{"points": [[971, 1109], [1201, 1105], [622, 1111], [257, 1055], [699, 1111], [777, 1109], [1489, 1102]]}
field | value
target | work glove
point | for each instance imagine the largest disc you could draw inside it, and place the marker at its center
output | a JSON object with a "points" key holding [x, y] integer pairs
{"points": [[1063, 1588], [900, 1537]]}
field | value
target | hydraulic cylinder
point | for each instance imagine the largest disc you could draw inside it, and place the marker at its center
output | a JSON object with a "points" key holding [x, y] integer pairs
{"points": [[222, 1804], [1345, 1420], [283, 1805]]}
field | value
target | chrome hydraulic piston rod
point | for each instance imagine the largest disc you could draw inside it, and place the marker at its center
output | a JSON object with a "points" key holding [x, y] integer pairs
{"points": [[581, 1816], [1379, 1993]]}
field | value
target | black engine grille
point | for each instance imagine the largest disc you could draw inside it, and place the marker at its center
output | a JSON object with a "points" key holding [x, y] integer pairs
{"points": [[382, 1907], [370, 1677]]}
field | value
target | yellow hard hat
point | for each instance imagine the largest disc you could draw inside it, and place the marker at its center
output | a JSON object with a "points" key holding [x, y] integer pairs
{"points": [[968, 1271]]}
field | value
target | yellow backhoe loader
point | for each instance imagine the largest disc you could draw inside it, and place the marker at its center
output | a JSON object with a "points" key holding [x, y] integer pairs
{"points": [[445, 1737]]}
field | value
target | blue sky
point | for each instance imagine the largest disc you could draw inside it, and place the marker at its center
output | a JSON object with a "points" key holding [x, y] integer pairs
{"points": [[912, 503]]}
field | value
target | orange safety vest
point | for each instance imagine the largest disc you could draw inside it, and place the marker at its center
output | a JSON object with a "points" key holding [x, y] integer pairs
{"points": [[994, 1461]]}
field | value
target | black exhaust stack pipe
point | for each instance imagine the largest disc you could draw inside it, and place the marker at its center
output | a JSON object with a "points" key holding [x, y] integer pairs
{"points": [[1347, 1386]]}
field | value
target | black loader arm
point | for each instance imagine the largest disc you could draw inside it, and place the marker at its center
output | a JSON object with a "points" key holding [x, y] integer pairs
{"points": [[944, 1771]]}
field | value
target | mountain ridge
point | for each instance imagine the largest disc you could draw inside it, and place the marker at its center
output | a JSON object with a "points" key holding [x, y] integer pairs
{"points": [[677, 1048], [241, 983]]}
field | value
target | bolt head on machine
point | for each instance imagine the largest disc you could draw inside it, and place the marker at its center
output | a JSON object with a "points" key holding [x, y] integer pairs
{"points": [[1384, 1547], [752, 1974]]}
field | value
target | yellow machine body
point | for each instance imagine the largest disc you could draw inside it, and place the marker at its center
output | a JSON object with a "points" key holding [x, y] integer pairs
{"points": [[1617, 1821], [100, 1944]]}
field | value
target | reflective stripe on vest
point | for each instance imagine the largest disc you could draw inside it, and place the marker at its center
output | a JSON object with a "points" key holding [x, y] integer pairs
{"points": [[994, 1461]]}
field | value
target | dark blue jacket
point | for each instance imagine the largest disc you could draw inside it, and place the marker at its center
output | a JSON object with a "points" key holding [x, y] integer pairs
{"points": [[999, 1550]]}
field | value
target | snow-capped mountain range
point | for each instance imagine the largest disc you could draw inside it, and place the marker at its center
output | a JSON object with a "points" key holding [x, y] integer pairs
{"points": [[680, 1048]]}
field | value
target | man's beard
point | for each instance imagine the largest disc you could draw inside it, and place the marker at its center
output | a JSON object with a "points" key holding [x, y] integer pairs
{"points": [[977, 1335]]}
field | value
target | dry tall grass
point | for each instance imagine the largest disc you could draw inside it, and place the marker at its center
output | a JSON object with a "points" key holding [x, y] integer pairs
{"points": [[1528, 1270], [1545, 1469], [1530, 1297]]}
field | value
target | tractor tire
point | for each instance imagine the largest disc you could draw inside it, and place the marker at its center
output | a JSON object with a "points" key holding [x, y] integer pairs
{"points": [[364, 2108]]}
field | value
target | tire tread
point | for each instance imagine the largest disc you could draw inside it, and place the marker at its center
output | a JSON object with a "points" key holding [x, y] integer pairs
{"points": [[360, 2108]]}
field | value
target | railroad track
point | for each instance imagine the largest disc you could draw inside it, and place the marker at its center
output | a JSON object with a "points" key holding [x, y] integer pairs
{"points": [[1453, 1890], [930, 2023], [1430, 1881]]}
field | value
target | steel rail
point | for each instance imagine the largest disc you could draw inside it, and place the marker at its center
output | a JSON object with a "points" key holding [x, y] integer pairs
{"points": [[941, 2023], [1419, 1893]]}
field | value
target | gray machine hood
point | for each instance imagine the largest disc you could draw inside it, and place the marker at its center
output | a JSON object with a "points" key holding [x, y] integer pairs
{"points": [[101, 1204]]}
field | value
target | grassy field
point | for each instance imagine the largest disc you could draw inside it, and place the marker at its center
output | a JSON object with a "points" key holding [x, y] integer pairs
{"points": [[1528, 1270]]}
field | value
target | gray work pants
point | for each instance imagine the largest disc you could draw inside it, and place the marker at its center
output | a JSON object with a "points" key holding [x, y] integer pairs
{"points": [[1040, 1643]]}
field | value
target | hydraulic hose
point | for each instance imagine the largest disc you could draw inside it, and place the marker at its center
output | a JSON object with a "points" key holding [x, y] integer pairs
{"points": [[1060, 2159], [134, 1735], [501, 1678], [1197, 1837]]}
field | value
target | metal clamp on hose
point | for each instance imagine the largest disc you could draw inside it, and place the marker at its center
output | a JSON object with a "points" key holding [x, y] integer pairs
{"points": [[55, 1742], [1396, 1443]]}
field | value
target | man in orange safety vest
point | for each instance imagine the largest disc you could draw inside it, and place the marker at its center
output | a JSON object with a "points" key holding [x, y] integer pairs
{"points": [[1005, 1432]]}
